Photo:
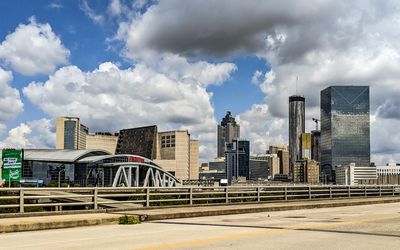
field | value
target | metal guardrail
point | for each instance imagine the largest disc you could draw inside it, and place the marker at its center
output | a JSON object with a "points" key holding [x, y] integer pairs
{"points": [[24, 199]]}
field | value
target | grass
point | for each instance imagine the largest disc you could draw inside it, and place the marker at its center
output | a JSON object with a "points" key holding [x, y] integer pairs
{"points": [[128, 220]]}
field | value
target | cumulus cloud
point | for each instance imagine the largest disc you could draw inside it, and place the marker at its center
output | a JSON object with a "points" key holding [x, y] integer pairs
{"points": [[96, 18], [10, 102], [32, 134], [33, 48], [322, 42], [110, 98]]}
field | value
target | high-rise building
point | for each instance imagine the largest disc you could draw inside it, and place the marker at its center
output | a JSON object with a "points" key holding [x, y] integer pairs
{"points": [[315, 145], [283, 156], [237, 160], [306, 146], [345, 128], [102, 140], [228, 130], [306, 171], [70, 133], [296, 128]]}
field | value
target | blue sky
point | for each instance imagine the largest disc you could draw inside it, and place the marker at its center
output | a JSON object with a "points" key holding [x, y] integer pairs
{"points": [[183, 64], [88, 44]]}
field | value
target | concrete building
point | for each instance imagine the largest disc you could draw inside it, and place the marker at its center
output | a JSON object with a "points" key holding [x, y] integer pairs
{"points": [[345, 128], [227, 131], [389, 174], [174, 150], [315, 145], [217, 164], [237, 160], [263, 167], [70, 133], [306, 146], [296, 128], [178, 154], [306, 171], [102, 140], [283, 156], [353, 175]]}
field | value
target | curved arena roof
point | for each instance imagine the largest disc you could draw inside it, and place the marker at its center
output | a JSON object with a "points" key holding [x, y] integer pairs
{"points": [[61, 155]]}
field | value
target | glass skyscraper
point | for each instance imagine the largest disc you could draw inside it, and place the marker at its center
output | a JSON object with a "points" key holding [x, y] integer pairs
{"points": [[227, 131], [345, 128]]}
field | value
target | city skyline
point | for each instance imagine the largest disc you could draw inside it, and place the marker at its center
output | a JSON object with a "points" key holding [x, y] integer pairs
{"points": [[98, 56]]}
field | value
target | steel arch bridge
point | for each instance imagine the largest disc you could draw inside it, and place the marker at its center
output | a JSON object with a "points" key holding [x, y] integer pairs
{"points": [[132, 171]]}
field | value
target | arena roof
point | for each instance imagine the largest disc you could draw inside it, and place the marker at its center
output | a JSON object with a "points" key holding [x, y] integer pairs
{"points": [[61, 155]]}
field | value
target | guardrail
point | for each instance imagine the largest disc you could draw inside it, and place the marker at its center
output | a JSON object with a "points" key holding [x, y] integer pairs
{"points": [[54, 199]]}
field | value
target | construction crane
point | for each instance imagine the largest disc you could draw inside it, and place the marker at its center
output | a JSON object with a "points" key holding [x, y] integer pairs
{"points": [[316, 123]]}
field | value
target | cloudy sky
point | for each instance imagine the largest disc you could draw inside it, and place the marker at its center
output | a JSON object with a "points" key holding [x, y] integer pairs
{"points": [[183, 64]]}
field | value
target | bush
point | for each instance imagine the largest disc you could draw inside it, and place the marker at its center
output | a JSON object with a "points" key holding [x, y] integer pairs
{"points": [[128, 220]]}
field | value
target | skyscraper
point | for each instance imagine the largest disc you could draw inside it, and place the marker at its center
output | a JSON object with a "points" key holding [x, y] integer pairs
{"points": [[345, 128], [237, 160], [228, 130], [70, 133], [296, 128]]}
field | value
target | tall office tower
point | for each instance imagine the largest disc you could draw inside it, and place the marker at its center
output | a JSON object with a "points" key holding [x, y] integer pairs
{"points": [[296, 128], [228, 130], [345, 128], [237, 160], [315, 145], [70, 133], [306, 146]]}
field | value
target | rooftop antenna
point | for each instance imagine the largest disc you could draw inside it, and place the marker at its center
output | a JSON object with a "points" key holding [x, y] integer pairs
{"points": [[297, 79]]}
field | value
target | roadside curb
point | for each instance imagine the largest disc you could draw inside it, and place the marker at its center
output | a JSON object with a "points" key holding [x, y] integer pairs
{"points": [[258, 209]]}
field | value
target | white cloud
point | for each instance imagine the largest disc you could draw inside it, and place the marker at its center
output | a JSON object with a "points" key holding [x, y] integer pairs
{"points": [[10, 103], [33, 48], [55, 5], [255, 79], [32, 134], [323, 42], [110, 98], [115, 8], [96, 18]]}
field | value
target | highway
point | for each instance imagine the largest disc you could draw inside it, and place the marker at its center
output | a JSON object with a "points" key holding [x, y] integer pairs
{"points": [[356, 227]]}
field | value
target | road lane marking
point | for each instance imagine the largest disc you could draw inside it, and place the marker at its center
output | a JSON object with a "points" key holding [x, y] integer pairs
{"points": [[263, 232]]}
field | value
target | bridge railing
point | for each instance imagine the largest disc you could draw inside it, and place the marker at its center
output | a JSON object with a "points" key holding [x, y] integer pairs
{"points": [[55, 199]]}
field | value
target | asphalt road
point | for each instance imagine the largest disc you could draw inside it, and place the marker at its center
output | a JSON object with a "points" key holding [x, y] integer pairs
{"points": [[357, 227]]}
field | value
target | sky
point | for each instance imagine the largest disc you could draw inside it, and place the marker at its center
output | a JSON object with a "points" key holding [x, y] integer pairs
{"points": [[182, 64]]}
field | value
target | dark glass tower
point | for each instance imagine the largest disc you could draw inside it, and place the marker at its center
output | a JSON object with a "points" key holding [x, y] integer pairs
{"points": [[345, 128], [296, 128], [228, 130], [237, 160]]}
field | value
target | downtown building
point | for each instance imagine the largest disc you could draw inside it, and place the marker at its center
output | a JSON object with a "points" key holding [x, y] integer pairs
{"points": [[227, 131], [345, 128], [174, 150], [237, 160], [296, 129]]}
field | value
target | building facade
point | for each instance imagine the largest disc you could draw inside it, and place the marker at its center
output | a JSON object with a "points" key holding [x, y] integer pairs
{"points": [[306, 146], [345, 128], [227, 131], [237, 160], [102, 140], [264, 167], [306, 171], [315, 145], [70, 133], [389, 174], [178, 154], [352, 174], [296, 128], [138, 141]]}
